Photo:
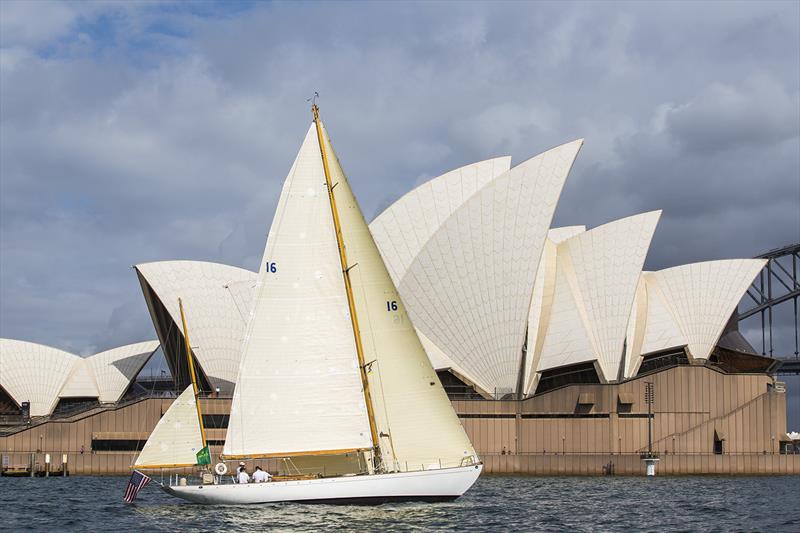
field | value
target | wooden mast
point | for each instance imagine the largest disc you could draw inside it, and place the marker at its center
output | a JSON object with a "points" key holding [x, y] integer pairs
{"points": [[347, 284], [191, 373]]}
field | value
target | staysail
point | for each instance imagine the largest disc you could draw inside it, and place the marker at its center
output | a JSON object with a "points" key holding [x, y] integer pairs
{"points": [[299, 389], [417, 425], [176, 439]]}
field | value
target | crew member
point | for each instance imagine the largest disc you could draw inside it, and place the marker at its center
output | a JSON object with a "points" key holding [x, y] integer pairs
{"points": [[259, 476], [242, 476]]}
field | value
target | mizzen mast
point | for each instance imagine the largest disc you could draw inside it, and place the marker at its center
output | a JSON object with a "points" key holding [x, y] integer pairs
{"points": [[348, 286]]}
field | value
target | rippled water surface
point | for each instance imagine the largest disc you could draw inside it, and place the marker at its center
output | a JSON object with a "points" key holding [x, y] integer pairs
{"points": [[494, 504]]}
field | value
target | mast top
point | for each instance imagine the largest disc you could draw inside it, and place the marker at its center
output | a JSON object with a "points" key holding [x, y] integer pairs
{"points": [[314, 107]]}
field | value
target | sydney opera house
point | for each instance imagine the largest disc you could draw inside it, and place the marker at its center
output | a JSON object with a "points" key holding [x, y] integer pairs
{"points": [[549, 342]]}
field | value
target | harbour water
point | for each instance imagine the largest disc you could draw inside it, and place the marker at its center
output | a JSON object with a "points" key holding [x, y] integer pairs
{"points": [[495, 503]]}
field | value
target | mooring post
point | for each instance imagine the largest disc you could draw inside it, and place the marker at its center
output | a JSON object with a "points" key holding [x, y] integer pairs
{"points": [[47, 465], [64, 465], [32, 462]]}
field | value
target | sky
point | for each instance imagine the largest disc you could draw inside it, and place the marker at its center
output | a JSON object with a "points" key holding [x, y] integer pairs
{"points": [[143, 131]]}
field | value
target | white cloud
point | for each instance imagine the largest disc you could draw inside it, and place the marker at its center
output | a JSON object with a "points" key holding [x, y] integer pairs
{"points": [[29, 23]]}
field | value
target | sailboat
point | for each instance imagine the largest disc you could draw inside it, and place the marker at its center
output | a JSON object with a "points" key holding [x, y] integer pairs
{"points": [[179, 438], [333, 379]]}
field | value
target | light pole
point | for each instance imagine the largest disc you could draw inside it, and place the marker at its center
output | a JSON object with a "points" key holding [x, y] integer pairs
{"points": [[649, 397], [650, 459]]}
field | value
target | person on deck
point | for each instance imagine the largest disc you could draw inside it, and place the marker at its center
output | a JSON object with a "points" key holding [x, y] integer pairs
{"points": [[259, 476], [242, 476]]}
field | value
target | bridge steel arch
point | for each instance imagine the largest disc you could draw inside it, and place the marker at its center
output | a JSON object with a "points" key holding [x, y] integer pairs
{"points": [[777, 283]]}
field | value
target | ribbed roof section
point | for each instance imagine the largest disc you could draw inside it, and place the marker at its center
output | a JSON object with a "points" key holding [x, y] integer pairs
{"points": [[597, 275], [114, 369], [81, 382], [41, 375], [607, 262], [702, 296], [217, 301], [566, 340], [636, 327], [34, 373], [404, 227], [469, 288], [542, 299], [661, 330]]}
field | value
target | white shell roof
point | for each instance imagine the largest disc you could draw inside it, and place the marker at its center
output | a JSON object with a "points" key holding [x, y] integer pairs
{"points": [[216, 300], [597, 274], [542, 298], [559, 235], [441, 361], [405, 226], [114, 369], [636, 328], [34, 373], [566, 340], [702, 296], [41, 374], [661, 328], [81, 382], [687, 305], [652, 327], [607, 262], [468, 290]]}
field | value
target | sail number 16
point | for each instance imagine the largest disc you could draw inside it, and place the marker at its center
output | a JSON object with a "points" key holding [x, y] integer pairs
{"points": [[271, 267], [391, 305]]}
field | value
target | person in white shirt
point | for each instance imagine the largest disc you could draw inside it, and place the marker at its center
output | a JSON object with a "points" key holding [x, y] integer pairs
{"points": [[243, 476], [259, 476]]}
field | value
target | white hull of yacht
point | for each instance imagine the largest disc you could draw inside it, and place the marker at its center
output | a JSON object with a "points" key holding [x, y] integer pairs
{"points": [[428, 485]]}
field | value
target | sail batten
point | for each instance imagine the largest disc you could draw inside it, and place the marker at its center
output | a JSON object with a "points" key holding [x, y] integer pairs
{"points": [[299, 389]]}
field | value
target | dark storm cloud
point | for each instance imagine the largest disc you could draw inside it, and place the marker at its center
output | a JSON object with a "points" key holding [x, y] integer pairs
{"points": [[138, 132]]}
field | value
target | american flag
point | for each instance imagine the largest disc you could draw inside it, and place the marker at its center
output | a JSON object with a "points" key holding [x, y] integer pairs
{"points": [[137, 482]]}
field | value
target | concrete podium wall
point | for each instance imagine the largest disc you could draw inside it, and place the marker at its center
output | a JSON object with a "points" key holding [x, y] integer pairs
{"points": [[549, 434]]}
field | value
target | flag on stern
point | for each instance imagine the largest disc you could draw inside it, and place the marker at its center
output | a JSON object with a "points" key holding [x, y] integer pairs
{"points": [[203, 456], [137, 482]]}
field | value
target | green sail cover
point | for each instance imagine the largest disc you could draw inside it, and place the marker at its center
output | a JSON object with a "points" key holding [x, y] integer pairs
{"points": [[204, 456]]}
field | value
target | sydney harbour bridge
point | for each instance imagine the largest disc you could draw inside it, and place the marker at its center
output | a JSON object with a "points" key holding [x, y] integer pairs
{"points": [[773, 296]]}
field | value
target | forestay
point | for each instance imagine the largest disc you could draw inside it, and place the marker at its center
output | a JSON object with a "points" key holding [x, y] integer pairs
{"points": [[176, 438], [418, 427], [299, 389]]}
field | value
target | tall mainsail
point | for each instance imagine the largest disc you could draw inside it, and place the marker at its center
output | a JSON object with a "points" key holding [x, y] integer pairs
{"points": [[176, 438], [417, 425], [299, 389]]}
